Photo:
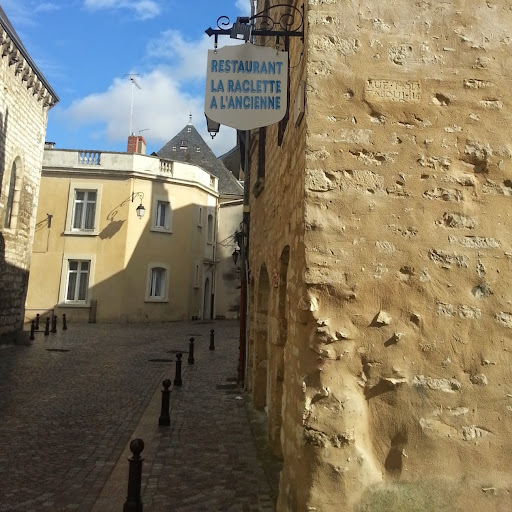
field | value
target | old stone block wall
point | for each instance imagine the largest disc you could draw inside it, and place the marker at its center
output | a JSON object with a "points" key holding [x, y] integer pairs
{"points": [[408, 253], [276, 262], [394, 371], [23, 118]]}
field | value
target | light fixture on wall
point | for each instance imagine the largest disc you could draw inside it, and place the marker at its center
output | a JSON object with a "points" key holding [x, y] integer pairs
{"points": [[140, 210], [212, 126]]}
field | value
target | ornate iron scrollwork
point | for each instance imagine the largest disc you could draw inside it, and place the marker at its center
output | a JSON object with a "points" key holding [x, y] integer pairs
{"points": [[271, 21], [292, 21], [223, 24]]}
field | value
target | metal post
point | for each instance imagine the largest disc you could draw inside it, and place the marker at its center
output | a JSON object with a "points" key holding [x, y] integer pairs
{"points": [[54, 324], [133, 502], [64, 322], [191, 351], [165, 419], [177, 377], [212, 340], [32, 329], [37, 321], [47, 327]]}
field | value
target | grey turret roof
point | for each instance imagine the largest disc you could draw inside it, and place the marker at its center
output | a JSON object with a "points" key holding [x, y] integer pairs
{"points": [[7, 26], [188, 146], [231, 160]]}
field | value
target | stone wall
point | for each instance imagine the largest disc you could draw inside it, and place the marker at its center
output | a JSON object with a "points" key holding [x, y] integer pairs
{"points": [[396, 392], [23, 115]]}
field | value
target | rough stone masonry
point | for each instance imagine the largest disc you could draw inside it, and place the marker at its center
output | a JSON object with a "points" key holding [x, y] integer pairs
{"points": [[396, 388], [24, 104]]}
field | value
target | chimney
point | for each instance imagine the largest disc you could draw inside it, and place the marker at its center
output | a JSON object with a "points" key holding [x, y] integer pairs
{"points": [[136, 144]]}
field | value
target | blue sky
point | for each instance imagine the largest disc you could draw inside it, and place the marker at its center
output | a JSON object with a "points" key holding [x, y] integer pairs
{"points": [[85, 49]]}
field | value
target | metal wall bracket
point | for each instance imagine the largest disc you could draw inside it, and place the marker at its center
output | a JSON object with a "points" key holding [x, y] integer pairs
{"points": [[287, 24]]}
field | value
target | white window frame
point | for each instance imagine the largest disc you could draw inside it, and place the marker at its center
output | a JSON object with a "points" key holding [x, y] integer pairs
{"points": [[164, 297], [197, 275], [167, 227], [64, 279], [83, 186], [210, 233]]}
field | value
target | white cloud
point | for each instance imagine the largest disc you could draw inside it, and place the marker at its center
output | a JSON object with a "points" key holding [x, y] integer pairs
{"points": [[187, 57], [244, 6], [159, 106], [144, 9], [47, 7], [164, 101]]}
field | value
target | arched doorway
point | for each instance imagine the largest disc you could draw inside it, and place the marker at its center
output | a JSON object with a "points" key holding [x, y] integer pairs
{"points": [[261, 341], [277, 368], [207, 299]]}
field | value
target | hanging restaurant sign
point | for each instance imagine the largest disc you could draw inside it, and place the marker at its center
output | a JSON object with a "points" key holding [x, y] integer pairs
{"points": [[246, 86]]}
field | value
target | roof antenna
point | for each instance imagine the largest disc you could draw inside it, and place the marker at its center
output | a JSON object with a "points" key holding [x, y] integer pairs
{"points": [[190, 119], [132, 76]]}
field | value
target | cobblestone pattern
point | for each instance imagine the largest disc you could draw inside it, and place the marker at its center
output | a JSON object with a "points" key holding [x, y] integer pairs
{"points": [[66, 417]]}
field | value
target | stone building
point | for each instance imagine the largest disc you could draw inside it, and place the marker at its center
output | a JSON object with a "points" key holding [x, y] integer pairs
{"points": [[380, 252], [188, 146], [25, 99], [96, 259]]}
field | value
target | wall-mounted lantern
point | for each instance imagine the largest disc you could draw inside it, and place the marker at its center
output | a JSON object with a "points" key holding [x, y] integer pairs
{"points": [[212, 126], [140, 210]]}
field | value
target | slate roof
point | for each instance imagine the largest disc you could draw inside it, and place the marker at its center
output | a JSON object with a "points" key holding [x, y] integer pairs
{"points": [[7, 26], [231, 160], [188, 146]]}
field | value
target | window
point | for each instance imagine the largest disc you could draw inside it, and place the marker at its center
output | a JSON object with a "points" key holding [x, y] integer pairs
{"points": [[198, 149], [196, 276], [157, 288], [174, 148], [210, 229], [78, 281], [200, 217], [184, 144], [10, 198], [284, 122], [157, 283], [84, 210], [162, 215]]}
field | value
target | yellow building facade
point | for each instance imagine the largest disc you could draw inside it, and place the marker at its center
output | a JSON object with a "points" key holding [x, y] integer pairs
{"points": [[96, 260]]}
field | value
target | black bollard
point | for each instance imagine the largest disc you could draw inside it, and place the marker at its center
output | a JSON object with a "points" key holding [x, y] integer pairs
{"points": [[133, 502], [64, 322], [165, 419], [47, 327], [32, 329], [37, 321], [212, 340], [177, 378], [54, 324], [191, 351]]}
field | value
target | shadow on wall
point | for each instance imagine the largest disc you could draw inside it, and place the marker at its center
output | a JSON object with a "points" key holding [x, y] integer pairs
{"points": [[13, 290], [13, 280], [182, 252]]}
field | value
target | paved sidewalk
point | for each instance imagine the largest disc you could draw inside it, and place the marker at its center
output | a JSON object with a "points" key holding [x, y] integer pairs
{"points": [[67, 419]]}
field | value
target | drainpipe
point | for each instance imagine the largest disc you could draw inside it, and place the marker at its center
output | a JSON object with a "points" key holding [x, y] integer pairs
{"points": [[244, 268]]}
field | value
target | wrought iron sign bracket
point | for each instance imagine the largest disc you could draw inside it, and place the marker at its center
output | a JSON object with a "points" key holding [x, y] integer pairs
{"points": [[288, 24]]}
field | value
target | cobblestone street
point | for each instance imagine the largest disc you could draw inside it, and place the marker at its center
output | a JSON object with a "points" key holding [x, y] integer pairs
{"points": [[72, 401]]}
